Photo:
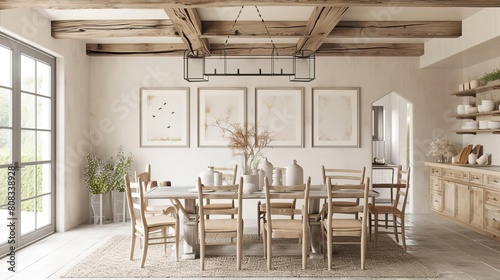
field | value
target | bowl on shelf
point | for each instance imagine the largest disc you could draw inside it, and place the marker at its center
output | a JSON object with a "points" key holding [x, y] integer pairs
{"points": [[494, 124], [483, 125], [488, 105], [460, 109], [472, 125]]}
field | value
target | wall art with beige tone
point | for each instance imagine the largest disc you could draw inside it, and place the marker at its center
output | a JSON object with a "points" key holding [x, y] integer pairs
{"points": [[335, 117], [164, 117], [224, 104], [281, 110]]}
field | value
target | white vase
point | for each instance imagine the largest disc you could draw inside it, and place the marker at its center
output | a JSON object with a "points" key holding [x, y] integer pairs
{"points": [[262, 176], [250, 183], [277, 175], [294, 174], [207, 176], [217, 178], [267, 167], [472, 158]]}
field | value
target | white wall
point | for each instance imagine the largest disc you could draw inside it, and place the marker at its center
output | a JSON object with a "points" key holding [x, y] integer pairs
{"points": [[114, 90], [72, 110]]}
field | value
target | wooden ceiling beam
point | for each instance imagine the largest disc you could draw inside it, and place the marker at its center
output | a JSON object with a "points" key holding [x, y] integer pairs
{"points": [[155, 4], [187, 22], [397, 29], [330, 49], [242, 29], [135, 49], [82, 29], [321, 23]]}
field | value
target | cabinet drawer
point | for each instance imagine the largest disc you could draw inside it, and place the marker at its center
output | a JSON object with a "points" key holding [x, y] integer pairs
{"points": [[455, 174], [492, 198], [435, 185], [436, 171], [493, 181], [476, 178], [436, 201], [492, 219]]}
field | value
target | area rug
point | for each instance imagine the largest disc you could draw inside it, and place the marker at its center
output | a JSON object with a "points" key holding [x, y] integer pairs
{"points": [[387, 260]]}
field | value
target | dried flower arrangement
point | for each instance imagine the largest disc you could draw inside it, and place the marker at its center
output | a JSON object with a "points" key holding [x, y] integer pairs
{"points": [[245, 141], [442, 148]]}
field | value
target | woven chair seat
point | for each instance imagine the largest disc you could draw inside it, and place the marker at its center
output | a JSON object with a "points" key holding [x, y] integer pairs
{"points": [[347, 224], [214, 206], [276, 205], [384, 210], [221, 225], [287, 225], [155, 221]]}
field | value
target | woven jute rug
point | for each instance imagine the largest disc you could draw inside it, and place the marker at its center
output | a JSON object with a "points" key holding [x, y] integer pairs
{"points": [[387, 259]]}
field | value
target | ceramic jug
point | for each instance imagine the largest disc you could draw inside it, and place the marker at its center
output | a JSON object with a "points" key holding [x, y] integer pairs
{"points": [[268, 170], [294, 174], [207, 176]]}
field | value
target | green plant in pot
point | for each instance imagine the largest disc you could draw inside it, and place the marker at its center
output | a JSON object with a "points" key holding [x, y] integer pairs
{"points": [[491, 76], [123, 164]]}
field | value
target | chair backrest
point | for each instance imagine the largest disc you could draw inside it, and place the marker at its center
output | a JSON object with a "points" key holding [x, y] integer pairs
{"points": [[135, 201], [343, 176], [228, 174], [287, 192], [402, 193], [220, 192], [358, 191], [144, 176]]}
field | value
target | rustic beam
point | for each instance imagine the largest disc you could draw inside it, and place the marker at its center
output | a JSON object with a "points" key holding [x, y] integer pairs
{"points": [[188, 25], [320, 25], [253, 49], [81, 29], [370, 50], [255, 29], [136, 49], [155, 4], [397, 29]]}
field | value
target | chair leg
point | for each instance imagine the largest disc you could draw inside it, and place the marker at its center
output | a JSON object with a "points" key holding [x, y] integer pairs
{"points": [[329, 246], [403, 238], [264, 239], [145, 248], [269, 247], [239, 247], [375, 214], [305, 248], [202, 250], [164, 235], [132, 245], [386, 221], [395, 225], [370, 224], [363, 249], [177, 234], [258, 219]]}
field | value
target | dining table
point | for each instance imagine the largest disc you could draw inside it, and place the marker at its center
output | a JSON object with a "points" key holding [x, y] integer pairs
{"points": [[184, 198]]}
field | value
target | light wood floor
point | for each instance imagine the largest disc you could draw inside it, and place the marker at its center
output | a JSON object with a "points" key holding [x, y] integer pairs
{"points": [[451, 250]]}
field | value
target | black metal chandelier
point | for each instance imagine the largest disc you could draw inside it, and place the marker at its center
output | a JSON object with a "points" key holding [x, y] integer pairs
{"points": [[299, 67]]}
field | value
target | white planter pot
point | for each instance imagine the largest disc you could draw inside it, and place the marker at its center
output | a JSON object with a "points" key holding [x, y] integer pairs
{"points": [[250, 183], [119, 206], [100, 207]]}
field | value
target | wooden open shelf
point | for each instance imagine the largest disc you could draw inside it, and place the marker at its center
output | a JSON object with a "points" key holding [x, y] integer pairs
{"points": [[474, 115], [475, 131], [472, 92]]}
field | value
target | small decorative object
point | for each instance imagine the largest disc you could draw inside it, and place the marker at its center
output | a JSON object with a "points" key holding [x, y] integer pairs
{"points": [[491, 76], [441, 148], [250, 183], [207, 176], [483, 159], [277, 175], [245, 141], [472, 158], [474, 84], [268, 169], [217, 178], [294, 174]]}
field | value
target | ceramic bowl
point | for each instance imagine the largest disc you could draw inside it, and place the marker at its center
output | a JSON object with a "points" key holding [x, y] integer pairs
{"points": [[482, 160], [483, 124], [472, 125], [488, 107], [494, 125]]}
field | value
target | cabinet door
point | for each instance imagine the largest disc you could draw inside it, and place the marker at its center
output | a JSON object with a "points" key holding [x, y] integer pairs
{"points": [[449, 198], [463, 203], [436, 201], [492, 219], [476, 207]]}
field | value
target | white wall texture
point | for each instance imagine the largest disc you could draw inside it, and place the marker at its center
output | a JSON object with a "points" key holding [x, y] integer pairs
{"points": [[72, 109], [114, 92]]}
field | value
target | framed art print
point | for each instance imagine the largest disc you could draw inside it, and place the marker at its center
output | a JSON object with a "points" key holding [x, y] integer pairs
{"points": [[281, 111], [219, 104], [164, 117], [335, 117]]}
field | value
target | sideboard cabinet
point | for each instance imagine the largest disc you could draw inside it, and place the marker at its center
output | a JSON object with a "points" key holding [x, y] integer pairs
{"points": [[467, 195]]}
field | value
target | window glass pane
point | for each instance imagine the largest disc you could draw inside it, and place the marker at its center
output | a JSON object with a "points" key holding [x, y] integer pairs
{"points": [[27, 74], [4, 173], [27, 110], [43, 211], [5, 146], [27, 216], [43, 147], [4, 231], [43, 179], [5, 67], [5, 107], [43, 79], [43, 113], [28, 181], [27, 146]]}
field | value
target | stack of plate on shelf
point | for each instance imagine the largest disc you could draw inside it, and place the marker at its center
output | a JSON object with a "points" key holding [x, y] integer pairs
{"points": [[494, 124], [471, 125], [483, 125], [488, 105]]}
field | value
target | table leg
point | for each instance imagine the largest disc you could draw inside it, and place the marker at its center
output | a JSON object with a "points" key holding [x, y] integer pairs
{"points": [[190, 229], [315, 229]]}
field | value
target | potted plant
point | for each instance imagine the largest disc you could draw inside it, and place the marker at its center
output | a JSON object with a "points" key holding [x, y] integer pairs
{"points": [[102, 176], [122, 166], [491, 76], [247, 143]]}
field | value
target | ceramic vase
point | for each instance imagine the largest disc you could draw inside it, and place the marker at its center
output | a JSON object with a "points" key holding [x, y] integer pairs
{"points": [[250, 183], [217, 178], [472, 158], [207, 176], [294, 174], [277, 175], [262, 176], [267, 167]]}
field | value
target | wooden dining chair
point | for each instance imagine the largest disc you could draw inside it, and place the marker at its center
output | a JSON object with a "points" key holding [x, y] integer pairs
{"points": [[283, 204], [151, 230], [275, 227], [396, 210], [147, 185], [334, 226], [225, 225], [228, 178], [337, 176]]}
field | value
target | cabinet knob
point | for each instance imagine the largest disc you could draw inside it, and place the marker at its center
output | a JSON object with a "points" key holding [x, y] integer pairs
{"points": [[495, 181]]}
